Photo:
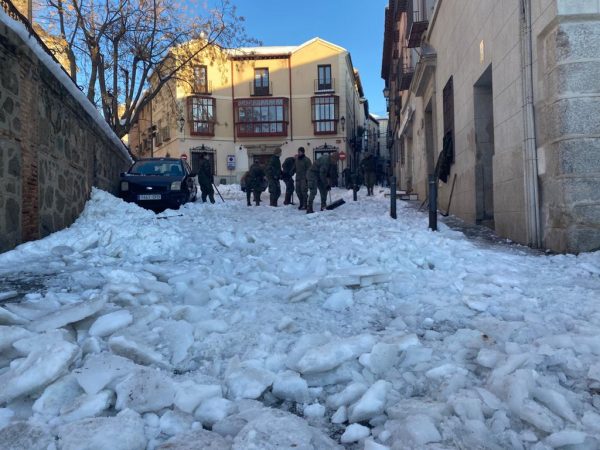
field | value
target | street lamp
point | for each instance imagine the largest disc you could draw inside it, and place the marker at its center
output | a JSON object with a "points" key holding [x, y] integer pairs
{"points": [[343, 123], [181, 123], [386, 92]]}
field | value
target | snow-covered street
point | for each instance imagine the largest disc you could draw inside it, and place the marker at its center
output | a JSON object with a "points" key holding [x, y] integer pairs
{"points": [[232, 327]]}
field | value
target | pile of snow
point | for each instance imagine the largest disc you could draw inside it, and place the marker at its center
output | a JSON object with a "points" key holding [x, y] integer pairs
{"points": [[255, 327]]}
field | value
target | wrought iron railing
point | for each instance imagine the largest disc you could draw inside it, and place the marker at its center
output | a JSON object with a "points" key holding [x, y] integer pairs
{"points": [[12, 12]]}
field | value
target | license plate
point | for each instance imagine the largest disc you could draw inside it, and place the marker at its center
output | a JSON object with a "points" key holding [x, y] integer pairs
{"points": [[149, 197]]}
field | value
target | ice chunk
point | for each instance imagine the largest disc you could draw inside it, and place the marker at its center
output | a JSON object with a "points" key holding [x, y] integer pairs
{"points": [[334, 353], [137, 351], [211, 326], [249, 382], [100, 370], [303, 289], [555, 402], [355, 433], [189, 394], [383, 358], [594, 372], [87, 406], [25, 436], [264, 432], [60, 393], [372, 445], [315, 410], [124, 432], [414, 355], [175, 422], [69, 314], [407, 341], [178, 335], [565, 437], [9, 334], [41, 367], [289, 385], [196, 440], [339, 300], [109, 323], [371, 404], [538, 416], [145, 390], [6, 416], [418, 430], [9, 318], [340, 416], [488, 358], [213, 410], [350, 394]]}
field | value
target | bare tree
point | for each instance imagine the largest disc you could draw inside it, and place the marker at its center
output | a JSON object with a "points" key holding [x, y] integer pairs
{"points": [[122, 52]]}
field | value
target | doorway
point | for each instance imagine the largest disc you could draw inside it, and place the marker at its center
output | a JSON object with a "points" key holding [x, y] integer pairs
{"points": [[483, 97]]}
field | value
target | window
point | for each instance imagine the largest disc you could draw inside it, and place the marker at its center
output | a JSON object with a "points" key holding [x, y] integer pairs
{"points": [[202, 115], [261, 82], [200, 80], [324, 81], [261, 117], [325, 114]]}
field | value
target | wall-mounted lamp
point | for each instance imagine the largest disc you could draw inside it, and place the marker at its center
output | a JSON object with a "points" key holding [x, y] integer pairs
{"points": [[241, 148], [308, 143], [386, 92], [343, 123], [181, 123]]}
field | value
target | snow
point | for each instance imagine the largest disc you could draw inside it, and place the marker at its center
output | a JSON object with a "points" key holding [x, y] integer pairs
{"points": [[259, 328]]}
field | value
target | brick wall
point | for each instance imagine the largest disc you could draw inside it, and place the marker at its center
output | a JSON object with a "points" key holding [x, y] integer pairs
{"points": [[51, 151]]}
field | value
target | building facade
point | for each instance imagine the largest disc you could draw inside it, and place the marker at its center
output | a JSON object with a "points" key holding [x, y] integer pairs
{"points": [[501, 98], [242, 104]]}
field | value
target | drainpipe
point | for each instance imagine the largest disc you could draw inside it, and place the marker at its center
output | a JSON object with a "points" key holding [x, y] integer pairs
{"points": [[532, 198]]}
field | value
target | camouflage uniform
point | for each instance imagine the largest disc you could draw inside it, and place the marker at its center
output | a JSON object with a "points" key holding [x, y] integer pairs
{"points": [[288, 169], [254, 182], [368, 167], [205, 180], [303, 164], [273, 176], [319, 177]]}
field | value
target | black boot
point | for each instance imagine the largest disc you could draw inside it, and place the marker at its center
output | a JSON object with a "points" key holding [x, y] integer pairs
{"points": [[309, 210]]}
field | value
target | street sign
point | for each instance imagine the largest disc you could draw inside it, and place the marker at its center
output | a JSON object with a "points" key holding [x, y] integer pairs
{"points": [[184, 157], [342, 156], [231, 162]]}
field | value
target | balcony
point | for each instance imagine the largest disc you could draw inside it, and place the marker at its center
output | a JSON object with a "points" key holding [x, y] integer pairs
{"points": [[405, 77], [261, 91], [324, 85], [417, 23]]}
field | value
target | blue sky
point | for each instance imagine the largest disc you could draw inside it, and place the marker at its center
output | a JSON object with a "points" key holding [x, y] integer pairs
{"points": [[356, 25]]}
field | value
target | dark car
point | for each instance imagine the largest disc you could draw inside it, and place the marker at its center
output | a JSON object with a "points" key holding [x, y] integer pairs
{"points": [[159, 183]]}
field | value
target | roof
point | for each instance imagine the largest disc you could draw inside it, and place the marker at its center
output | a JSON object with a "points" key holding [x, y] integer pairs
{"points": [[270, 51]]}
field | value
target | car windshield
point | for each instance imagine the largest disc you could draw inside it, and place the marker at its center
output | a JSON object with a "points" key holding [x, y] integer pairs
{"points": [[160, 168]]}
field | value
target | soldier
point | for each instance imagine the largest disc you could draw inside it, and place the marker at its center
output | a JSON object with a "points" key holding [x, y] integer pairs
{"points": [[254, 181], [273, 175], [368, 167], [288, 169], [320, 177], [206, 179], [303, 164]]}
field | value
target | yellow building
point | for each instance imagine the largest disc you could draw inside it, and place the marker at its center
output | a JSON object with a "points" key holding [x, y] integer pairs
{"points": [[242, 104]]}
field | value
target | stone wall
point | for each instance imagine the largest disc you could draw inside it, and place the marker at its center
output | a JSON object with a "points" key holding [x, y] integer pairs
{"points": [[569, 127], [51, 151]]}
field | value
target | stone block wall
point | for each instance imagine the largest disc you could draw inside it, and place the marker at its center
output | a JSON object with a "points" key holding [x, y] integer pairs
{"points": [[51, 151], [568, 124]]}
